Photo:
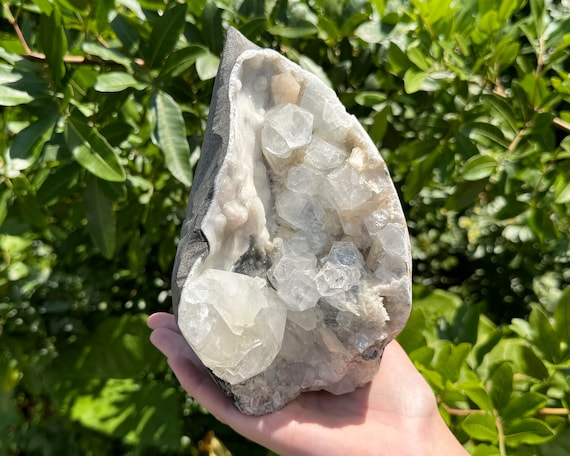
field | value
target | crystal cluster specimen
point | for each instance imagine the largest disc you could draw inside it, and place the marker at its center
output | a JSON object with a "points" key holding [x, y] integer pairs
{"points": [[293, 268]]}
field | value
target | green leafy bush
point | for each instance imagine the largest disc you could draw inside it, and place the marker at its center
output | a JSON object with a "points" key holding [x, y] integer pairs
{"points": [[104, 105]]}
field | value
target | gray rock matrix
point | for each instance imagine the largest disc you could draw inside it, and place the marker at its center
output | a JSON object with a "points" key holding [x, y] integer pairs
{"points": [[293, 269]]}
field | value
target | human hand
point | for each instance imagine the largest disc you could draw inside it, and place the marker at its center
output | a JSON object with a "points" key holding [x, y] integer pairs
{"points": [[395, 414]]}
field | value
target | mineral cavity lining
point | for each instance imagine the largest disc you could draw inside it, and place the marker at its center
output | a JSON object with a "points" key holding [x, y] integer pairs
{"points": [[303, 202]]}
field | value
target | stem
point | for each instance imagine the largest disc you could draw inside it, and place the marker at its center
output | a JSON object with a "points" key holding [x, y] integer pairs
{"points": [[501, 433], [467, 412], [77, 59], [561, 124], [554, 411], [459, 412], [74, 59], [17, 29], [515, 142]]}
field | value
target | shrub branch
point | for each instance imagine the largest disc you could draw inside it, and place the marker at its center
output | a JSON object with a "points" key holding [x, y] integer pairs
{"points": [[17, 29], [72, 59], [466, 412]]}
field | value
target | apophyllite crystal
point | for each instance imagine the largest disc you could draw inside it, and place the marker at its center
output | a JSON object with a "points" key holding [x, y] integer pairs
{"points": [[293, 268]]}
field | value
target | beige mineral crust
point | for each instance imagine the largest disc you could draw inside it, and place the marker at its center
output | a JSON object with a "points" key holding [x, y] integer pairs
{"points": [[293, 270]]}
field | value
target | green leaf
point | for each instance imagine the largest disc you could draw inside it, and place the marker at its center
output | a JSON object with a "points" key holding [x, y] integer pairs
{"points": [[480, 397], [207, 66], [125, 31], [53, 41], [309, 64], [369, 32], [212, 27], [413, 80], [485, 133], [486, 450], [544, 336], [102, 381], [10, 413], [558, 446], [538, 14], [481, 427], [478, 167], [352, 19], [449, 359], [92, 151], [398, 59], [58, 184], [536, 89], [28, 143], [328, 30], [436, 304], [420, 58], [563, 194], [170, 136], [418, 148], [502, 108], [101, 218], [6, 199], [28, 203], [528, 430], [118, 347], [412, 336], [103, 9], [522, 405], [505, 52], [182, 59], [300, 30], [370, 99], [523, 358], [562, 318], [13, 97], [44, 6], [379, 125], [77, 6], [164, 36], [420, 174], [541, 224], [139, 414], [107, 54], [117, 81], [380, 5]]}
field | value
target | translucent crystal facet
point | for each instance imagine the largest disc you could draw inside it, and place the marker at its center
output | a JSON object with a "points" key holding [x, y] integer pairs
{"points": [[324, 155], [227, 310], [301, 211], [286, 129], [349, 188]]}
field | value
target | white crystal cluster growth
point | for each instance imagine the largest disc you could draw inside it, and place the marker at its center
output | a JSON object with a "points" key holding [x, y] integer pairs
{"points": [[307, 276]]}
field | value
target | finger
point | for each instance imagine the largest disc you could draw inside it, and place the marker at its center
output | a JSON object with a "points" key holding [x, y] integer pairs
{"points": [[399, 385], [162, 320]]}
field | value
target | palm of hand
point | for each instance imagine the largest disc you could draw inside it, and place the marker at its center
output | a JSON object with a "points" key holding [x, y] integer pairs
{"points": [[396, 411]]}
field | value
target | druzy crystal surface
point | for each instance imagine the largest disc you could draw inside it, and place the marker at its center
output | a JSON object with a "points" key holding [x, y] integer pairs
{"points": [[293, 268]]}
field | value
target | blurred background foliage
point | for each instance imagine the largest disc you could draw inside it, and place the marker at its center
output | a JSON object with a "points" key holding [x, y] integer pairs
{"points": [[103, 107]]}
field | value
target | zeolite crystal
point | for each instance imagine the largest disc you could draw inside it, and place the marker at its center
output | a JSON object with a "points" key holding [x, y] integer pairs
{"points": [[293, 268]]}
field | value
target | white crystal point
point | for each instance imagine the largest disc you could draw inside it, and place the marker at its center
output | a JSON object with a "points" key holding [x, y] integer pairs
{"points": [[286, 129], [324, 155], [293, 268], [342, 270], [300, 211], [235, 322]]}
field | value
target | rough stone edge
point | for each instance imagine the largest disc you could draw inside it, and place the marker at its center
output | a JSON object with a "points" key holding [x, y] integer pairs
{"points": [[193, 246]]}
